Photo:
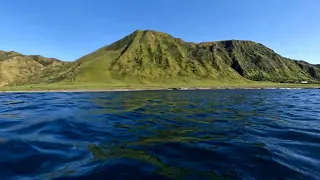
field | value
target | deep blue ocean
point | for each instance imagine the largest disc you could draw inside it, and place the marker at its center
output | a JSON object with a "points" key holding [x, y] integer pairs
{"points": [[204, 134]]}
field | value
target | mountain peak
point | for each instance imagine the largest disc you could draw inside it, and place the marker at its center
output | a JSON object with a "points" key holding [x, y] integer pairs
{"points": [[151, 33], [14, 53]]}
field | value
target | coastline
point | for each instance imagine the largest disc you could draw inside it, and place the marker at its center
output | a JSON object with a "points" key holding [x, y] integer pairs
{"points": [[151, 89]]}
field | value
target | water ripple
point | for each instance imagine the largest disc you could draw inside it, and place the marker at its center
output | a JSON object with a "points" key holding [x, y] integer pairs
{"points": [[217, 134]]}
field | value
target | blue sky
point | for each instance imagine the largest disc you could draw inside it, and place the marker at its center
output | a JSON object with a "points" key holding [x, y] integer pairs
{"points": [[69, 29]]}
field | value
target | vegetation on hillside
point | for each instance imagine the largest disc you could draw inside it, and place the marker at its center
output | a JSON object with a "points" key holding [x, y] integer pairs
{"points": [[151, 57], [18, 68]]}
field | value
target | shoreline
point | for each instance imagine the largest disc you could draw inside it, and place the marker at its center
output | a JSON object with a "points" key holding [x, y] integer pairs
{"points": [[153, 89]]}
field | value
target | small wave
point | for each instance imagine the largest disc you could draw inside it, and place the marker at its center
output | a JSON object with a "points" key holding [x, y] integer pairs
{"points": [[210, 134]]}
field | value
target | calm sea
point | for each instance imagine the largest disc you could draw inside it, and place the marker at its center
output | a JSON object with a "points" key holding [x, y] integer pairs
{"points": [[205, 134]]}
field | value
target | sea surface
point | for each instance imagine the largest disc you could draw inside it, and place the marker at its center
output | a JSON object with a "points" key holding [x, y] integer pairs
{"points": [[204, 134]]}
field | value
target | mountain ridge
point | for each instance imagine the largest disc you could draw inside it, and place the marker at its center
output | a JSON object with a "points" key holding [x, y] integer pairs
{"points": [[16, 67], [152, 56]]}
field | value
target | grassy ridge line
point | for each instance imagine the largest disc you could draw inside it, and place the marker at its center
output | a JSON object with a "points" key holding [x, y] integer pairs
{"points": [[150, 56], [16, 67]]}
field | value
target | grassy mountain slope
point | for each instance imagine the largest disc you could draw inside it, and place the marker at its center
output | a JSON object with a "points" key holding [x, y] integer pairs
{"points": [[259, 63], [153, 56], [150, 56], [15, 67]]}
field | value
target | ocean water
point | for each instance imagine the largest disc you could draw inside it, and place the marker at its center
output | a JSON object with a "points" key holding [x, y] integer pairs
{"points": [[204, 134]]}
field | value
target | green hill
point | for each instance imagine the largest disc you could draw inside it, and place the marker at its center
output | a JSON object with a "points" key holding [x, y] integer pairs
{"points": [[15, 67], [155, 57]]}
